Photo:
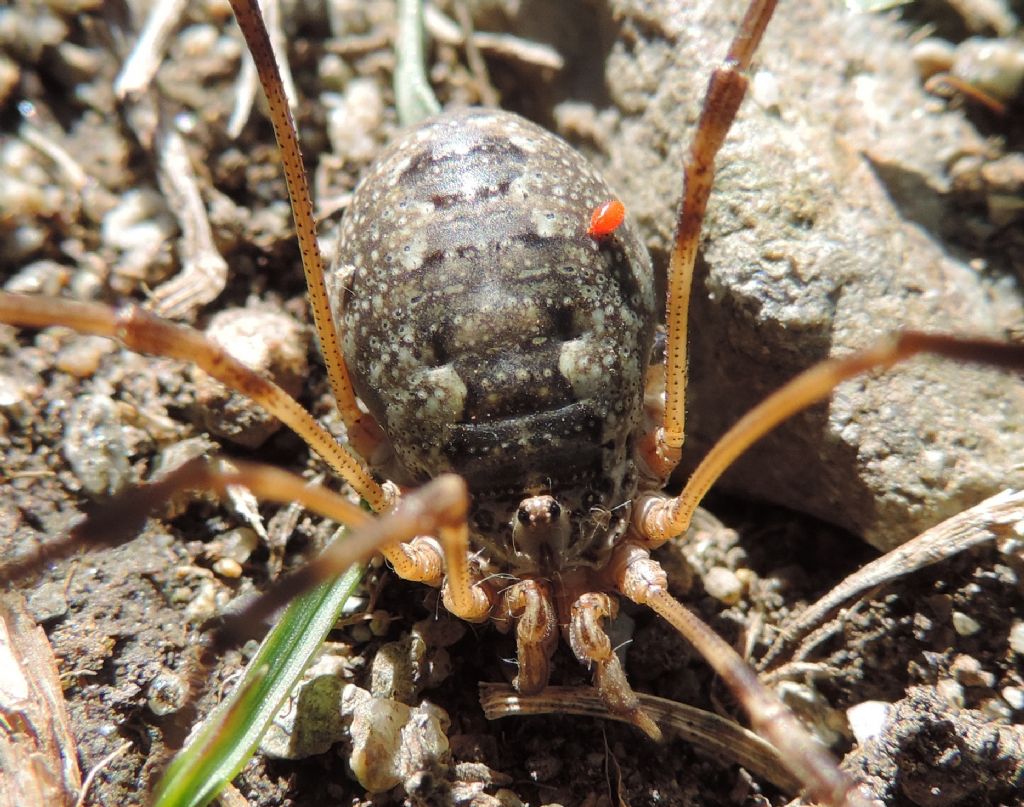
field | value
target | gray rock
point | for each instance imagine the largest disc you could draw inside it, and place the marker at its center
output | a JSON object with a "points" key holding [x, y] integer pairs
{"points": [[823, 234]]}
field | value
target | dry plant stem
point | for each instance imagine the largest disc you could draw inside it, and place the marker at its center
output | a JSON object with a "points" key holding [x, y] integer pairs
{"points": [[246, 86], [40, 750], [507, 47], [660, 519], [414, 98], [708, 731], [142, 63], [363, 431], [645, 582], [204, 271], [725, 92], [70, 170], [143, 332], [248, 80], [984, 522], [477, 65], [97, 769]]}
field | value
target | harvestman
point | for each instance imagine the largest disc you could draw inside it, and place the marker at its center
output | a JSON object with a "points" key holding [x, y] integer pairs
{"points": [[537, 605]]}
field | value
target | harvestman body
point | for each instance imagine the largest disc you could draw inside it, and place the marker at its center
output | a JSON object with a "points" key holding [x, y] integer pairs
{"points": [[502, 352]]}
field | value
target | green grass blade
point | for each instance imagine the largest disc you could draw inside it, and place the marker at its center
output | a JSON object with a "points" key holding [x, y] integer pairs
{"points": [[229, 736]]}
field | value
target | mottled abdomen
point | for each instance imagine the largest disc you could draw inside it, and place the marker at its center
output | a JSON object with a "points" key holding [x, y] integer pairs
{"points": [[487, 332]]}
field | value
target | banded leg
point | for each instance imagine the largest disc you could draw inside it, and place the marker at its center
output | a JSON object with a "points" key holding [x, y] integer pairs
{"points": [[364, 432], [644, 581], [590, 643], [658, 519], [143, 332], [726, 89], [439, 507]]}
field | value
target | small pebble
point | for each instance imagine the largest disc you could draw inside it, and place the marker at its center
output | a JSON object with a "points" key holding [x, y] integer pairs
{"points": [[181, 595], [94, 445], [204, 605], [360, 633], [268, 341], [391, 741], [40, 277], [1014, 696], [994, 66], [965, 625], [967, 670], [932, 56], [166, 693], [238, 544], [227, 567], [867, 719], [1017, 638], [506, 798], [723, 585], [47, 602]]}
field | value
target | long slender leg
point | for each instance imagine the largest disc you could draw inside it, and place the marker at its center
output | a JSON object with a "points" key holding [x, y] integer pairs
{"points": [[589, 641], [364, 433], [120, 519], [657, 519], [726, 88], [144, 332], [644, 581], [439, 507]]}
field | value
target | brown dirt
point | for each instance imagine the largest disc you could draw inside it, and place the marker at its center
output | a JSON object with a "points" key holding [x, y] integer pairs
{"points": [[117, 618]]}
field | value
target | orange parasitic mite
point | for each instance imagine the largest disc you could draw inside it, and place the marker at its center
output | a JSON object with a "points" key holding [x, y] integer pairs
{"points": [[606, 218]]}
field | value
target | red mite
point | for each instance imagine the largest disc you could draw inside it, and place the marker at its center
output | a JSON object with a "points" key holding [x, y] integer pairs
{"points": [[606, 219]]}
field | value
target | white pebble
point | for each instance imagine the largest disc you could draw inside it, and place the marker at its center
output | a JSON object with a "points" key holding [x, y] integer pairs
{"points": [[1017, 638], [965, 625], [1014, 696], [227, 567], [723, 585], [867, 719]]}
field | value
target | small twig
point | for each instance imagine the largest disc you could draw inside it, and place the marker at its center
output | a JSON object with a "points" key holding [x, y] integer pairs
{"points": [[142, 63], [99, 766], [801, 670], [69, 169], [822, 634], [504, 46], [248, 80], [713, 734], [982, 523], [204, 271], [477, 66], [358, 44], [514, 48], [245, 94]]}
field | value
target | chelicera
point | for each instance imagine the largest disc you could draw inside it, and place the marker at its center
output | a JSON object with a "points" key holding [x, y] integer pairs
{"points": [[496, 318]]}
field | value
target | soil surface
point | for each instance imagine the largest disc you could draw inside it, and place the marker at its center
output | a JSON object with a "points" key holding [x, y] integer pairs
{"points": [[83, 214]]}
